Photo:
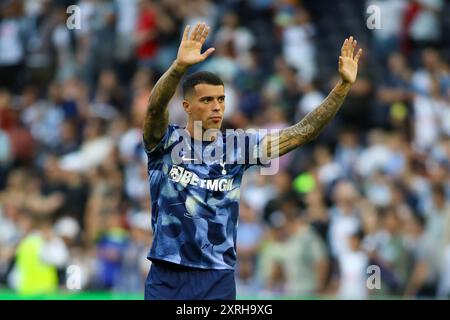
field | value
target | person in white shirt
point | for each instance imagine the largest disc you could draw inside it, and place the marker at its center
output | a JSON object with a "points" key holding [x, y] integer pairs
{"points": [[353, 270]]}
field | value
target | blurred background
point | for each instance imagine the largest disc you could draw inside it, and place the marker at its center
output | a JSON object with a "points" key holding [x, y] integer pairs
{"points": [[372, 189]]}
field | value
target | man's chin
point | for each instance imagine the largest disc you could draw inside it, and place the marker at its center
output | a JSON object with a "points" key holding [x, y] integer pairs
{"points": [[214, 125], [212, 128]]}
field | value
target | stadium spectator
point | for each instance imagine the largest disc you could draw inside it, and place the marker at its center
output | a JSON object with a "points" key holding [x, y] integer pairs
{"points": [[146, 34], [353, 265]]}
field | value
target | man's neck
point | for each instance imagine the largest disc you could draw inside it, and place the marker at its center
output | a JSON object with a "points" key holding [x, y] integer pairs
{"points": [[197, 132]]}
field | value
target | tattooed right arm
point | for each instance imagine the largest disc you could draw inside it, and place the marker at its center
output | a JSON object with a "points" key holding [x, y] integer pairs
{"points": [[189, 53], [157, 116]]}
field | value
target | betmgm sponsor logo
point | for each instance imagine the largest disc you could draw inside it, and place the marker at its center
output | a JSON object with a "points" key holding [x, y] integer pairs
{"points": [[185, 177]]}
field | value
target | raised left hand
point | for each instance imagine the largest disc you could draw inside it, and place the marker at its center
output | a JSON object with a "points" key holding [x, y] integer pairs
{"points": [[348, 64]]}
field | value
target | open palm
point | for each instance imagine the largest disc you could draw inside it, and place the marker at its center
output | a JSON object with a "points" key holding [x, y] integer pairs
{"points": [[348, 65], [189, 52]]}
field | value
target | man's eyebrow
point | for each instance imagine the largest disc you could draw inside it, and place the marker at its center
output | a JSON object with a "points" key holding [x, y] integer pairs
{"points": [[211, 97]]}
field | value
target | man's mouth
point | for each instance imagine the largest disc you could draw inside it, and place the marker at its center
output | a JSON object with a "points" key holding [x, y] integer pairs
{"points": [[216, 118]]}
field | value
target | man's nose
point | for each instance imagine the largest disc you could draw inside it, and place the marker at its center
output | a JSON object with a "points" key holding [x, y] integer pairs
{"points": [[216, 106]]}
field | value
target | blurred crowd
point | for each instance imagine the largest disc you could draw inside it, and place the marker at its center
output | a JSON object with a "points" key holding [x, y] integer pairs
{"points": [[372, 190]]}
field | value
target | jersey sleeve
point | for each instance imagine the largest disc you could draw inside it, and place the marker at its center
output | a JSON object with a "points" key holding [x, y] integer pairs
{"points": [[254, 150], [165, 143]]}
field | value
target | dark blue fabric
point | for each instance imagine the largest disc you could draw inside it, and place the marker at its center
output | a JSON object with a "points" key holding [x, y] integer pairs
{"points": [[167, 281], [195, 206]]}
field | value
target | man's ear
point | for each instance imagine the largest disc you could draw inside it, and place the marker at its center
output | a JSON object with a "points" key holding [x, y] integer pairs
{"points": [[186, 106]]}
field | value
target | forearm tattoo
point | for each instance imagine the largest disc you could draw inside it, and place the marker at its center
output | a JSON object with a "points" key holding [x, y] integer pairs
{"points": [[157, 116], [310, 126]]}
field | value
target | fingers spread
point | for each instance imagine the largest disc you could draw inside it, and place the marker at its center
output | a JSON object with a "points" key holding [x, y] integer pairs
{"points": [[343, 49], [194, 33], [350, 47], [207, 53], [358, 55], [200, 31], [204, 35], [186, 32]]}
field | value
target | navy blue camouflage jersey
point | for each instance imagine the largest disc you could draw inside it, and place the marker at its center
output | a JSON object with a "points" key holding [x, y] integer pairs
{"points": [[195, 206]]}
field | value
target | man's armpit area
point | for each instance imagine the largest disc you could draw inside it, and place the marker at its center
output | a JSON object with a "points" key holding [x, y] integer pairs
{"points": [[156, 146]]}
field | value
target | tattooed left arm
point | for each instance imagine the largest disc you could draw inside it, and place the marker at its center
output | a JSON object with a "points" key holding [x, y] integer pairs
{"points": [[313, 123], [310, 126]]}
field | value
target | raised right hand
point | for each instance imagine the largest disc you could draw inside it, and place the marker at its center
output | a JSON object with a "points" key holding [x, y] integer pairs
{"points": [[189, 52]]}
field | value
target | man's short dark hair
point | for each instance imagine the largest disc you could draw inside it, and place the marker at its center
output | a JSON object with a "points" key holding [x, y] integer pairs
{"points": [[200, 77]]}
